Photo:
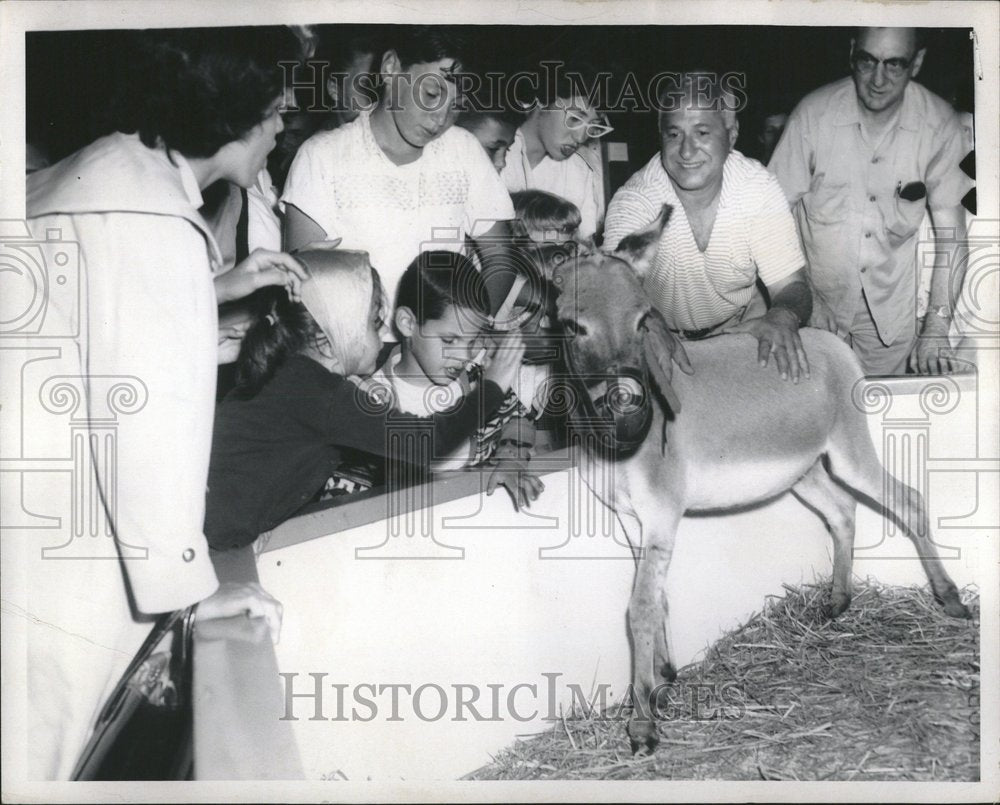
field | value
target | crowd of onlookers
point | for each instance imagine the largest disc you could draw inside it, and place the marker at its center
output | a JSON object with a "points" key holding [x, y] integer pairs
{"points": [[290, 284]]}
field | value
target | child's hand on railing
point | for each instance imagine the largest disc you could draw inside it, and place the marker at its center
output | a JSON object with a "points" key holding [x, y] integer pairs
{"points": [[512, 473], [521, 483]]}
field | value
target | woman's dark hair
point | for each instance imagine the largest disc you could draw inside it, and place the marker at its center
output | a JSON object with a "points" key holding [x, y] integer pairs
{"points": [[340, 45], [437, 279], [570, 78], [201, 88], [281, 329], [422, 44]]}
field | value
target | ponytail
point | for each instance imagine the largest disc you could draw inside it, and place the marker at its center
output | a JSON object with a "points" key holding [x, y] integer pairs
{"points": [[281, 329]]}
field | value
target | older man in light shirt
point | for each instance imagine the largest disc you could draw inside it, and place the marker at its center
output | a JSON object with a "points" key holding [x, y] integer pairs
{"points": [[860, 161]]}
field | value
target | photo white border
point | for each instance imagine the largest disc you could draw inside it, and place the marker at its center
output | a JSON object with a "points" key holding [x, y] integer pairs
{"points": [[18, 16]]}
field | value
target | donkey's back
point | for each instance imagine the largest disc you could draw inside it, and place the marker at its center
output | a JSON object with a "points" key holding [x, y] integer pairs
{"points": [[744, 434]]}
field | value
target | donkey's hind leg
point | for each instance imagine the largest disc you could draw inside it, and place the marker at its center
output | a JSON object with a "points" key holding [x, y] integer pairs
{"points": [[855, 462], [817, 490]]}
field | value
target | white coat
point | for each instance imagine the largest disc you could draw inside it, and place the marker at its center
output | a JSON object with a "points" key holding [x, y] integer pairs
{"points": [[139, 346]]}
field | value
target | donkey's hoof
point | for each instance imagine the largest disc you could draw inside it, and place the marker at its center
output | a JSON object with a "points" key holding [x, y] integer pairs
{"points": [[956, 609], [643, 738], [837, 606], [643, 748]]}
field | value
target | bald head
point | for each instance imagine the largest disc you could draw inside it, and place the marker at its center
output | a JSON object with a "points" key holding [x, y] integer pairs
{"points": [[913, 36]]}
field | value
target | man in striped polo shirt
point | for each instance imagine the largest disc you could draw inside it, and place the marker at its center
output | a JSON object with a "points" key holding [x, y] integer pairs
{"points": [[731, 224]]}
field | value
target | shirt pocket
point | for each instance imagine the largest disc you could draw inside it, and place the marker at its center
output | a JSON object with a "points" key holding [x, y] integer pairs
{"points": [[906, 219], [827, 204]]}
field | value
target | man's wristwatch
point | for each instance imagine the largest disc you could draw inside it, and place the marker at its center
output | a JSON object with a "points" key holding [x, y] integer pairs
{"points": [[941, 311]]}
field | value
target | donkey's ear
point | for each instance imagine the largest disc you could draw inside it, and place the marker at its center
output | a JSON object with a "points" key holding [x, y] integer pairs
{"points": [[587, 245], [639, 248]]}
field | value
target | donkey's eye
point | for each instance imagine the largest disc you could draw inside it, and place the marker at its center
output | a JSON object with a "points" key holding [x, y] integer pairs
{"points": [[640, 323]]}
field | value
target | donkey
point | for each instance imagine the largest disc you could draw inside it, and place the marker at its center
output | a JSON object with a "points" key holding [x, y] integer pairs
{"points": [[744, 436]]}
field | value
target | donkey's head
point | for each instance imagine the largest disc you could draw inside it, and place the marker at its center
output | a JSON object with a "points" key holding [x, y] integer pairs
{"points": [[614, 328]]}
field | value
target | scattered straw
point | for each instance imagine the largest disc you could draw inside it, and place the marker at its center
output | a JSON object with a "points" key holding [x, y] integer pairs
{"points": [[888, 691]]}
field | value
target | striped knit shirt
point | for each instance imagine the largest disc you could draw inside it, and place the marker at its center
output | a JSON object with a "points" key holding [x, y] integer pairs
{"points": [[753, 235]]}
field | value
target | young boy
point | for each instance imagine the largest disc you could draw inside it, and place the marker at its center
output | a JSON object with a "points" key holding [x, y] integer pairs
{"points": [[495, 131]]}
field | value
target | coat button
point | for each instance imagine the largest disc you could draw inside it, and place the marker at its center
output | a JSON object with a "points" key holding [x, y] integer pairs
{"points": [[874, 160], [864, 269], [188, 555], [871, 198]]}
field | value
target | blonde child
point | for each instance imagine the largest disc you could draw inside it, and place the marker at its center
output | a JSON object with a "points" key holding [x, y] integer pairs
{"points": [[545, 217]]}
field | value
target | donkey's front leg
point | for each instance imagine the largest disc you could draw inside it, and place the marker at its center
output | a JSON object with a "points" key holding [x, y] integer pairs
{"points": [[652, 665]]}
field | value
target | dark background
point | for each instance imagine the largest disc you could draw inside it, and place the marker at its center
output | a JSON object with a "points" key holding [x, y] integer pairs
{"points": [[75, 78]]}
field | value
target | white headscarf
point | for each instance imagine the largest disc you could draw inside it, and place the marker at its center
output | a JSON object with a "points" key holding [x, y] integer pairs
{"points": [[338, 295]]}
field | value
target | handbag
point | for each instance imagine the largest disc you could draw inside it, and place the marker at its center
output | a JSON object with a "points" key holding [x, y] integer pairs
{"points": [[144, 731]]}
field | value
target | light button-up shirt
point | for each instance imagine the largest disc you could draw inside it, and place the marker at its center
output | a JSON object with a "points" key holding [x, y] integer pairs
{"points": [[857, 232]]}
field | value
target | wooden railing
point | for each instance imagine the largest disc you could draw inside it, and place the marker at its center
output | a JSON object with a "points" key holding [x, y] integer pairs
{"points": [[351, 511]]}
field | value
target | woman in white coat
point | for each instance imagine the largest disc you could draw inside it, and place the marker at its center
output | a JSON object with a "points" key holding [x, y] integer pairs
{"points": [[146, 325]]}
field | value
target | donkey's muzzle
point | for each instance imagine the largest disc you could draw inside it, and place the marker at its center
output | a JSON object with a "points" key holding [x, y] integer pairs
{"points": [[622, 401]]}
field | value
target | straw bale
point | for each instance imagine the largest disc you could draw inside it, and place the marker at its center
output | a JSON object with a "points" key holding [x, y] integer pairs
{"points": [[888, 691]]}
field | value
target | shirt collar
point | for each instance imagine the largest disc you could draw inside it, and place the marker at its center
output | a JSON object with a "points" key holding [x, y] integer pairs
{"points": [[668, 185], [727, 180], [847, 108], [519, 156], [909, 116], [367, 135], [189, 183], [364, 120]]}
